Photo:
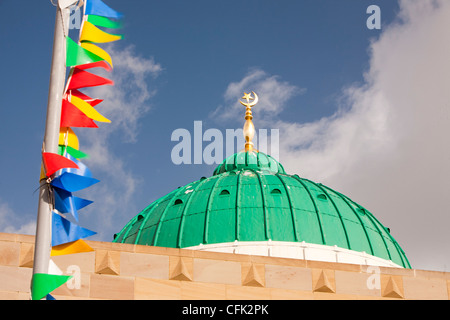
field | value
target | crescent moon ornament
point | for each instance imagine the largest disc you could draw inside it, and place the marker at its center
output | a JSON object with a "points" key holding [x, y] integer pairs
{"points": [[248, 97], [249, 128]]}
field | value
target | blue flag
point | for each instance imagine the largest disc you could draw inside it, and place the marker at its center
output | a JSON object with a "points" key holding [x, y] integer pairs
{"points": [[64, 231], [73, 182], [98, 8], [65, 202], [82, 169]]}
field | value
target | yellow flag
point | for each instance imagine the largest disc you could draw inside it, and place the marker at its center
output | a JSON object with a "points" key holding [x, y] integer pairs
{"points": [[42, 176], [70, 248], [87, 109], [97, 51], [68, 138], [93, 34]]}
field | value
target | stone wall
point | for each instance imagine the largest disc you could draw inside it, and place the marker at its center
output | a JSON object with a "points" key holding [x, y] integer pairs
{"points": [[123, 271]]}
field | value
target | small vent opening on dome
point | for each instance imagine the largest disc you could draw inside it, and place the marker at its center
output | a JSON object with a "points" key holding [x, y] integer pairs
{"points": [[140, 217], [322, 196], [361, 211], [275, 191], [225, 192], [177, 202]]}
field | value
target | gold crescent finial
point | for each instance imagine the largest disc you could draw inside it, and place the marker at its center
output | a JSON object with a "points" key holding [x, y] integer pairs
{"points": [[249, 128]]}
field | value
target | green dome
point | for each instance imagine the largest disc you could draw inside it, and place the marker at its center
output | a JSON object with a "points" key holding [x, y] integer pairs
{"points": [[250, 160], [251, 198]]}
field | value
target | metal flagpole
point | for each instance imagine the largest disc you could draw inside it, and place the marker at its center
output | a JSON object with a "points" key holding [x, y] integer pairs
{"points": [[50, 144]]}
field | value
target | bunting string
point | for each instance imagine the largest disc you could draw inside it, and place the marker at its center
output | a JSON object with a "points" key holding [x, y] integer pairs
{"points": [[64, 171]]}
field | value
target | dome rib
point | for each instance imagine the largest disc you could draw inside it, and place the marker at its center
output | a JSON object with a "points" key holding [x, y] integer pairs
{"points": [[402, 255], [346, 200], [124, 232], [338, 213], [381, 235], [374, 222], [208, 209], [267, 234], [161, 219], [130, 224], [294, 224], [238, 207], [183, 213], [315, 208], [141, 227]]}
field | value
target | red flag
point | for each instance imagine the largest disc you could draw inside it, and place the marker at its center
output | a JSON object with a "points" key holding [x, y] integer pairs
{"points": [[54, 162], [92, 101], [82, 79], [99, 64], [71, 116]]}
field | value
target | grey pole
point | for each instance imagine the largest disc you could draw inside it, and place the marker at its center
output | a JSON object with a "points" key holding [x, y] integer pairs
{"points": [[57, 80]]}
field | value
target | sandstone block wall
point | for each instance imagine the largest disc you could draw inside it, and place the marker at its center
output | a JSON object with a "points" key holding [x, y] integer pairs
{"points": [[122, 271]]}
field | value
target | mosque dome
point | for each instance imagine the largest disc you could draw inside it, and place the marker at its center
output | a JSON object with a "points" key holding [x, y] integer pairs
{"points": [[250, 160], [250, 205]]}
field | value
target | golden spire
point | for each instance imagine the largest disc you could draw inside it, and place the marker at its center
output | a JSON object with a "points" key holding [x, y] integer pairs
{"points": [[249, 128]]}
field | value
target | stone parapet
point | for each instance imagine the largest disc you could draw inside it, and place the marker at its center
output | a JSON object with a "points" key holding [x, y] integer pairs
{"points": [[134, 272]]}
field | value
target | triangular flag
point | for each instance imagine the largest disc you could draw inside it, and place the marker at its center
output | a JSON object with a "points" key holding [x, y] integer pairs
{"points": [[98, 8], [82, 169], [72, 182], [84, 79], [65, 202], [54, 269], [54, 162], [77, 55], [88, 110], [93, 102], [99, 64], [64, 231], [42, 284], [71, 116], [77, 154], [98, 51], [93, 34], [78, 246], [104, 22], [42, 175], [68, 138]]}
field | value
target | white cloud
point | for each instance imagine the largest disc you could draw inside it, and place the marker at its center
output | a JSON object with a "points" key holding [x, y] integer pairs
{"points": [[124, 104], [126, 101], [11, 222], [272, 92], [388, 148]]}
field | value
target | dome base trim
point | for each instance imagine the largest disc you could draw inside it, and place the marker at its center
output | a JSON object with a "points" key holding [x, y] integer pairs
{"points": [[297, 250]]}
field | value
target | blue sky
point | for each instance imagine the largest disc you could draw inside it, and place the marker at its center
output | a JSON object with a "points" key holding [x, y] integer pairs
{"points": [[327, 82]]}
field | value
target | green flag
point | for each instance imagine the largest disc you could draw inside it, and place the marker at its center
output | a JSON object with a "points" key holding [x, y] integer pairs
{"points": [[42, 284], [104, 22], [77, 154], [76, 55]]}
